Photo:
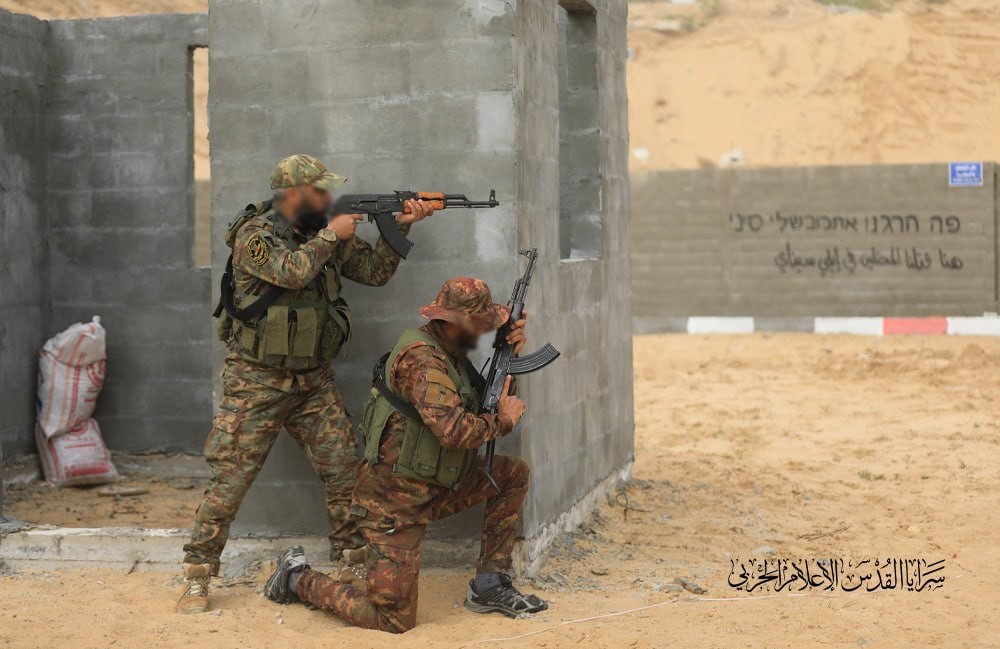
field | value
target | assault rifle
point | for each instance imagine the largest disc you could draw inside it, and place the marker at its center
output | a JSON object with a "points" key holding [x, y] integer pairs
{"points": [[504, 363], [380, 210]]}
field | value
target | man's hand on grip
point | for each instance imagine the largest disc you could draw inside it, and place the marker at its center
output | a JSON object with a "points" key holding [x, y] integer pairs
{"points": [[515, 335], [344, 225], [510, 406]]}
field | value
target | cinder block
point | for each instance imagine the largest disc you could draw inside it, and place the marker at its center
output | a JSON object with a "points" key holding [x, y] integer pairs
{"points": [[391, 75], [475, 65], [82, 172], [246, 134], [131, 207], [449, 126], [168, 398]]}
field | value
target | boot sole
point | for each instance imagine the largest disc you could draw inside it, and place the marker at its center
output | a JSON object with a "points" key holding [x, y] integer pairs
{"points": [[189, 610]]}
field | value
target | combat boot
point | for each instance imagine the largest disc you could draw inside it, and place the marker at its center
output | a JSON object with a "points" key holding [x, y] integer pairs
{"points": [[495, 593], [195, 597]]}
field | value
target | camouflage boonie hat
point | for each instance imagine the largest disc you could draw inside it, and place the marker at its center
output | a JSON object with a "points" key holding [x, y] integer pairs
{"points": [[301, 169], [467, 302]]}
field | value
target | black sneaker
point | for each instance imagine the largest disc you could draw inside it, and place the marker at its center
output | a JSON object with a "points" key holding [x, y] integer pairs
{"points": [[504, 598], [276, 589]]}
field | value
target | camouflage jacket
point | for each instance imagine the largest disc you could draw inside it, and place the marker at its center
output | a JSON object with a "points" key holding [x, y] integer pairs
{"points": [[420, 376], [261, 255]]}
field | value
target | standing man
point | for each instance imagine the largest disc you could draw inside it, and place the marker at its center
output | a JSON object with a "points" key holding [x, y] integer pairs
{"points": [[284, 321], [422, 434]]}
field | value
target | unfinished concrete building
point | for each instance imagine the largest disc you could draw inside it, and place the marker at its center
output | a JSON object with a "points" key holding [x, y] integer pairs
{"points": [[526, 97]]}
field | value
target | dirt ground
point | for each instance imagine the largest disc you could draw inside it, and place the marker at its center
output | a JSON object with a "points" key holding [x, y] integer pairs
{"points": [[806, 82], [803, 446], [166, 490]]}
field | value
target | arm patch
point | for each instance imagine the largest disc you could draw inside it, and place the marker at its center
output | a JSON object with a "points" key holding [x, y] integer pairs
{"points": [[258, 249]]}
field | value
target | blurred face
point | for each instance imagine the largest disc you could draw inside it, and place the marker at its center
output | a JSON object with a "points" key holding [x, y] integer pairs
{"points": [[315, 200], [461, 337], [307, 205]]}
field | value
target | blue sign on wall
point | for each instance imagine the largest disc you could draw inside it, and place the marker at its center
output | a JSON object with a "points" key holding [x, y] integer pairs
{"points": [[965, 174]]}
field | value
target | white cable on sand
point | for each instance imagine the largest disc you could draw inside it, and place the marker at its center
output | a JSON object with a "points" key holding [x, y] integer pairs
{"points": [[642, 608]]}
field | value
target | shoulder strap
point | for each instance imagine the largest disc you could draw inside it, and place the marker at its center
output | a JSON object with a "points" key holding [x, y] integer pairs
{"points": [[396, 401], [478, 382], [271, 292], [409, 339], [269, 296]]}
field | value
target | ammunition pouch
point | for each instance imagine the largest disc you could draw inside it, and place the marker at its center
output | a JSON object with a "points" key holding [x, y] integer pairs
{"points": [[283, 328]]}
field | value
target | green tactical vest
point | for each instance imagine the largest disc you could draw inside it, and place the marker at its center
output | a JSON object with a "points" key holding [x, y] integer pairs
{"points": [[305, 328], [421, 455]]}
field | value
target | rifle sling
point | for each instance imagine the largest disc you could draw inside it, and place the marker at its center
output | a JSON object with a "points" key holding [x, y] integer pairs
{"points": [[248, 315], [402, 405]]}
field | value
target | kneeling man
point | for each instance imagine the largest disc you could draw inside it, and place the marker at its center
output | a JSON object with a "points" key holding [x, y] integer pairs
{"points": [[422, 432]]}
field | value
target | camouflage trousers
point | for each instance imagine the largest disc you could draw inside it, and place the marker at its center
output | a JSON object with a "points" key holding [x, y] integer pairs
{"points": [[390, 603], [256, 403]]}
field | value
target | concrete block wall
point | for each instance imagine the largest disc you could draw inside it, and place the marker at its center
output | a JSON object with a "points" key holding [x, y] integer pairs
{"points": [[581, 423], [790, 244], [435, 95], [120, 204], [96, 183], [23, 250]]}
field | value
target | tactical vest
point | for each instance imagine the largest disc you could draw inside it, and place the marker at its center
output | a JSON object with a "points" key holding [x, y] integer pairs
{"points": [[421, 455], [302, 329]]}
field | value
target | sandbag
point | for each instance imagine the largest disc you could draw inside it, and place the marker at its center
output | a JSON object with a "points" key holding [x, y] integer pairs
{"points": [[71, 375], [76, 457]]}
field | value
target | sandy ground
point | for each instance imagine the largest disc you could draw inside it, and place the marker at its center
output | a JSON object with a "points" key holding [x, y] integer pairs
{"points": [[164, 492], [792, 82], [742, 442]]}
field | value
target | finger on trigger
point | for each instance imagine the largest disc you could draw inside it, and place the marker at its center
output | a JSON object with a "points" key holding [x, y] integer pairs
{"points": [[506, 384]]}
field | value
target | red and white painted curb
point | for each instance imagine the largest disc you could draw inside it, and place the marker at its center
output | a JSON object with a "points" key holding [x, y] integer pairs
{"points": [[957, 326]]}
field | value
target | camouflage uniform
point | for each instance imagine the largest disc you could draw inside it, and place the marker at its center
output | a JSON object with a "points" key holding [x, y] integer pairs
{"points": [[394, 509], [263, 392]]}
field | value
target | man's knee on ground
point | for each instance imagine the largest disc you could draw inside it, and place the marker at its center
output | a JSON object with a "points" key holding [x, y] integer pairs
{"points": [[393, 622]]}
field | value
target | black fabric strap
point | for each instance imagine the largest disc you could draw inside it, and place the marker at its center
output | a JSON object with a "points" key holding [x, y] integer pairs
{"points": [[478, 382], [248, 315], [396, 401]]}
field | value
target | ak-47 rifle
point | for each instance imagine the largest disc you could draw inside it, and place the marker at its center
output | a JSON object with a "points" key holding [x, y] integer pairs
{"points": [[381, 208], [505, 363]]}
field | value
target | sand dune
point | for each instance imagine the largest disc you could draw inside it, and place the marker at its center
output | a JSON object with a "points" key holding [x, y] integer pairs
{"points": [[793, 83], [785, 82]]}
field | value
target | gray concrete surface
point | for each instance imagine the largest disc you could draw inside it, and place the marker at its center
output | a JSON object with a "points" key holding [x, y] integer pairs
{"points": [[98, 202], [457, 95], [23, 225], [580, 214], [121, 210], [792, 243], [36, 548]]}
